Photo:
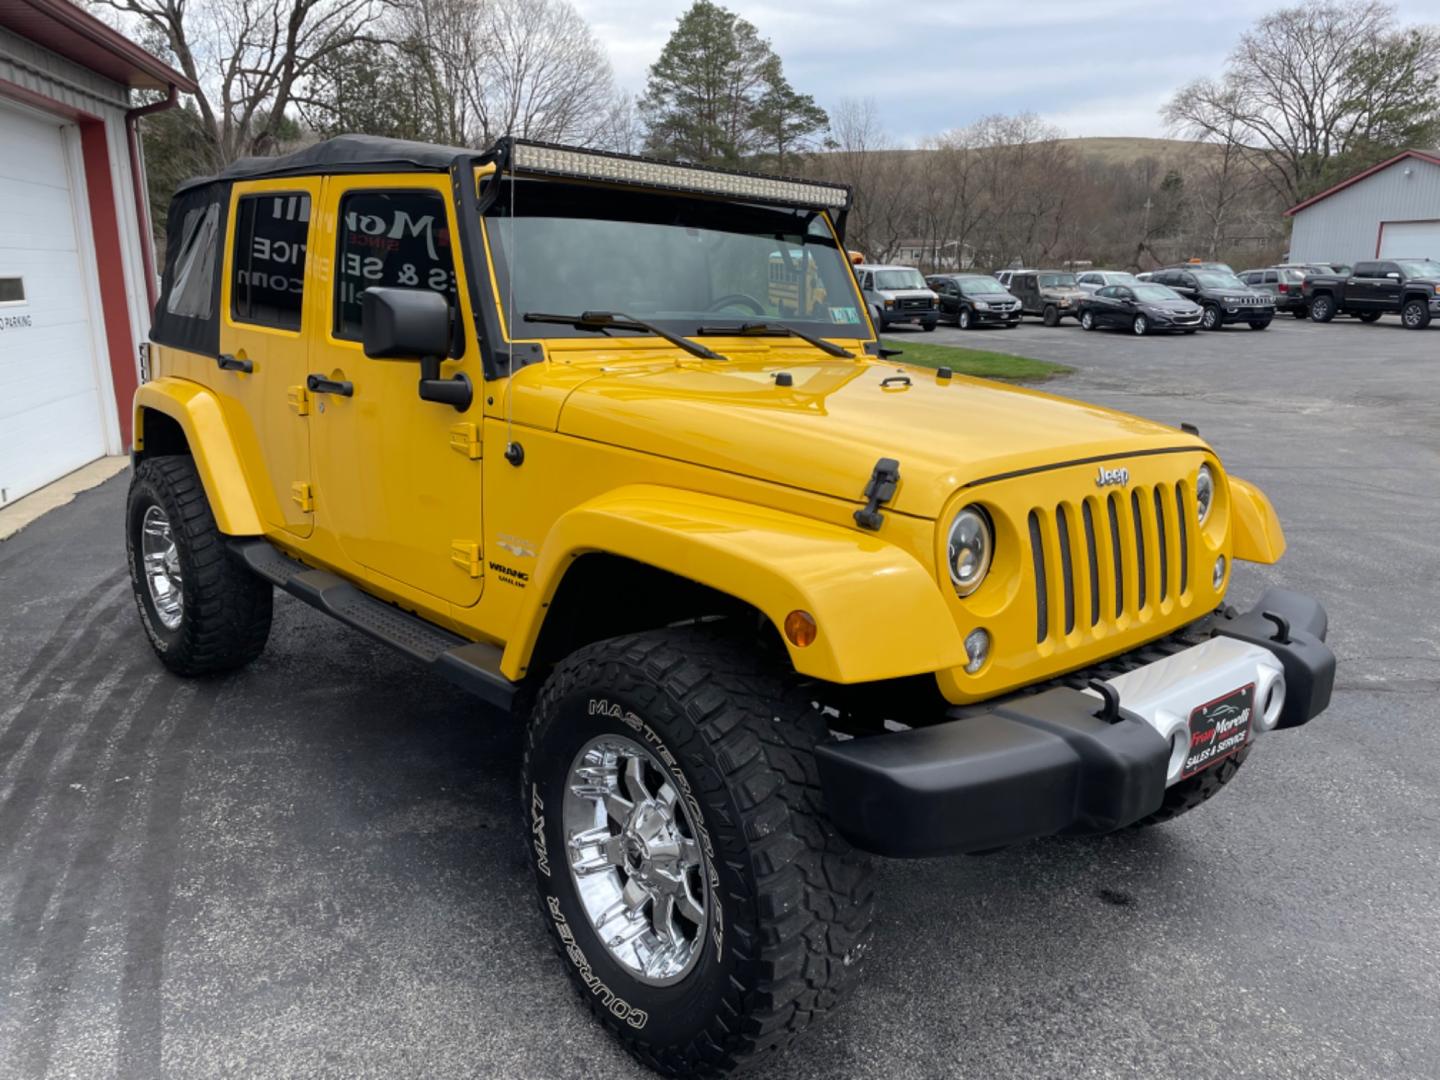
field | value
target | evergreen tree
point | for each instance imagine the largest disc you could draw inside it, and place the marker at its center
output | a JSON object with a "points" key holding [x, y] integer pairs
{"points": [[718, 95]]}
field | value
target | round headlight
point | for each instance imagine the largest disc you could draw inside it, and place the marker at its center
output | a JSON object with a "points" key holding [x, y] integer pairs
{"points": [[1204, 492], [970, 546]]}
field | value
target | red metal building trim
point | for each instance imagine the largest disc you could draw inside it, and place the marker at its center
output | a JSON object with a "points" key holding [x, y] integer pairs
{"points": [[109, 262], [1418, 154]]}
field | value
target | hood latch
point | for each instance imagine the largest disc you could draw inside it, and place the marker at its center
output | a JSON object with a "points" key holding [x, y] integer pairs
{"points": [[881, 489]]}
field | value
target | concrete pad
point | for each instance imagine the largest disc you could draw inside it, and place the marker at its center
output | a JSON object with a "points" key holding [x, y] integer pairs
{"points": [[26, 509]]}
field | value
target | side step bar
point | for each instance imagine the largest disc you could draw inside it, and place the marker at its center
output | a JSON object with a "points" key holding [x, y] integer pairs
{"points": [[470, 665]]}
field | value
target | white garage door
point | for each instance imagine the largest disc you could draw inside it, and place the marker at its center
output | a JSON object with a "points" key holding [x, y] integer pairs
{"points": [[1410, 240], [50, 412]]}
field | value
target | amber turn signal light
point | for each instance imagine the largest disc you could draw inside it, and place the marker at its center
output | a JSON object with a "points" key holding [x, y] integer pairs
{"points": [[800, 628]]}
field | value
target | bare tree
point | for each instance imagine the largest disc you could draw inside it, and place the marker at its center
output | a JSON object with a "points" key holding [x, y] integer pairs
{"points": [[249, 57], [1315, 89]]}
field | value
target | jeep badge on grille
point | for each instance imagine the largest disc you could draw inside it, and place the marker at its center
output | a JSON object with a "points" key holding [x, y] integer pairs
{"points": [[1107, 477]]}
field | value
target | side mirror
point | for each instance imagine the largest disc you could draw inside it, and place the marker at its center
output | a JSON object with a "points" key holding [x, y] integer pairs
{"points": [[413, 324]]}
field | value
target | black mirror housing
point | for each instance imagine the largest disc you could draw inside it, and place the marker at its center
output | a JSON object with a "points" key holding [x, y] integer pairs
{"points": [[404, 324]]}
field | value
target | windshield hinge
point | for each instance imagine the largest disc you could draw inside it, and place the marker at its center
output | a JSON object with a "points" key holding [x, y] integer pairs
{"points": [[884, 479]]}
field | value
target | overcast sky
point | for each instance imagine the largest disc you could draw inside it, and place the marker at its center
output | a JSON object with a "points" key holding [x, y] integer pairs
{"points": [[1094, 67]]}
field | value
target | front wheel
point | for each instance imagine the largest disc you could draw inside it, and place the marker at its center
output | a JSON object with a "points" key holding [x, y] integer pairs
{"points": [[1051, 316], [1141, 326], [701, 902], [1087, 321], [963, 319], [1415, 315], [1210, 318], [203, 612], [1259, 324]]}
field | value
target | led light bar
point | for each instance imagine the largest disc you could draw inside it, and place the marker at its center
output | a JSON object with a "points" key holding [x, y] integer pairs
{"points": [[642, 172]]}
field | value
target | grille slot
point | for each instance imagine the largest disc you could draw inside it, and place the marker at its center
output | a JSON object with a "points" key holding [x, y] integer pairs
{"points": [[1160, 543], [1184, 529], [1042, 587], [1067, 569], [1093, 558], [1135, 510], [1113, 503]]}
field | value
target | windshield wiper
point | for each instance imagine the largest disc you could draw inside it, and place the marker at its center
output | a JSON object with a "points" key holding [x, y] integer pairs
{"points": [[761, 329], [615, 320]]}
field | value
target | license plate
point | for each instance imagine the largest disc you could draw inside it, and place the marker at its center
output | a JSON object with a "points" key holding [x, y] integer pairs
{"points": [[1218, 729]]}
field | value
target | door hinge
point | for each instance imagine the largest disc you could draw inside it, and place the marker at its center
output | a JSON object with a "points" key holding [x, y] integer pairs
{"points": [[299, 399], [465, 439], [466, 555], [303, 496]]}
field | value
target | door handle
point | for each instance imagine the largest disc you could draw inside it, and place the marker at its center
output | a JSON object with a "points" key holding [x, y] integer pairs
{"points": [[226, 362], [318, 384]]}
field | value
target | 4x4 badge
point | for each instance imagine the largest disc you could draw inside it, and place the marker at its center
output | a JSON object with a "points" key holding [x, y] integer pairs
{"points": [[1107, 477]]}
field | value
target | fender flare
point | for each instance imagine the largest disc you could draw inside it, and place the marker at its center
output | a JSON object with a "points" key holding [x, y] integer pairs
{"points": [[1255, 529], [879, 612], [198, 412]]}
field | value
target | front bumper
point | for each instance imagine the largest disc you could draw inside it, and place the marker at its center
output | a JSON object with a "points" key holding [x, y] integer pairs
{"points": [[991, 316], [1054, 762], [1246, 314], [891, 316]]}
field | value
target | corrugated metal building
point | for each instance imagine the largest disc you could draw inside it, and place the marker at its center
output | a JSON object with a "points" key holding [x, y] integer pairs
{"points": [[1391, 211], [77, 278]]}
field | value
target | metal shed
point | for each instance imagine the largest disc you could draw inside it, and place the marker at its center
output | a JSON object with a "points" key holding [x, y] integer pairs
{"points": [[1389, 211]]}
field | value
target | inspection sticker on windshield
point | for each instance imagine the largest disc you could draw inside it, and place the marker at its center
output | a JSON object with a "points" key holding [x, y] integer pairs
{"points": [[1218, 729], [844, 315]]}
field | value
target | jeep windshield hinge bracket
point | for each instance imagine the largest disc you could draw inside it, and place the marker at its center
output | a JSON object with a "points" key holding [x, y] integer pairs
{"points": [[884, 479], [455, 390]]}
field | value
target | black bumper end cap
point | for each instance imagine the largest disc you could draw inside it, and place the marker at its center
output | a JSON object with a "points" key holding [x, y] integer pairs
{"points": [[1039, 766], [1293, 627]]}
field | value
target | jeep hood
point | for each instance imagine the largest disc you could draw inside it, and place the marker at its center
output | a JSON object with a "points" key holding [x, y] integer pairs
{"points": [[825, 432]]}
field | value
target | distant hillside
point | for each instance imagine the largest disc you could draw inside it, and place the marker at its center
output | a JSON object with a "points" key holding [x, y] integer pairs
{"points": [[1118, 150]]}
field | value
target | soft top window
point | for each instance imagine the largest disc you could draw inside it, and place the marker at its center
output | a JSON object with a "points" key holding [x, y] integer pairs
{"points": [[194, 279]]}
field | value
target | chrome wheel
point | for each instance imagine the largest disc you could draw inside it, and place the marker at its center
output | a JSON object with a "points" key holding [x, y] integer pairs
{"points": [[1140, 325], [161, 563], [1087, 321], [964, 320], [634, 858]]}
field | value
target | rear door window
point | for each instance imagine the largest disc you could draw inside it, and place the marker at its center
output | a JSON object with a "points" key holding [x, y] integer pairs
{"points": [[267, 285]]}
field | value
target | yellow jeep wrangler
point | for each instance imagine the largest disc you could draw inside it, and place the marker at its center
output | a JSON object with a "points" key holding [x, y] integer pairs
{"points": [[765, 600]]}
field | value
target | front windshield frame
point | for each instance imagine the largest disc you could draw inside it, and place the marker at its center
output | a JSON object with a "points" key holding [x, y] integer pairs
{"points": [[1218, 279], [1160, 292], [579, 201], [1419, 268], [980, 285]]}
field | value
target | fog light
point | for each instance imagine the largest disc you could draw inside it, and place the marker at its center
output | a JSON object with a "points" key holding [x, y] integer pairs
{"points": [[977, 649], [800, 628], [1218, 578]]}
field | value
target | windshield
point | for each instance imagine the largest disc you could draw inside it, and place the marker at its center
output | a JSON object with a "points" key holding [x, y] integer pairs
{"points": [[1143, 291], [1418, 268], [899, 279], [1057, 281], [981, 286], [1213, 279], [676, 261]]}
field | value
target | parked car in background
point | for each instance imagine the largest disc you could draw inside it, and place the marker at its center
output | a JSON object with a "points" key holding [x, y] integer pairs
{"points": [[1140, 307], [1092, 281], [1050, 294], [898, 294], [1409, 288], [1223, 298], [1196, 264], [971, 300], [1284, 283]]}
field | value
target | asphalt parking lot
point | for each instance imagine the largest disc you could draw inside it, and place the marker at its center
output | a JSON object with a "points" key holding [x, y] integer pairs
{"points": [[311, 868]]}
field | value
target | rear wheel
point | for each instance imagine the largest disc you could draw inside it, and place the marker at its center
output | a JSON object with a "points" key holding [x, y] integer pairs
{"points": [[1259, 324], [1184, 795], [1322, 308], [700, 900], [1051, 316], [1301, 313], [202, 611], [1370, 316], [1210, 318], [1415, 315]]}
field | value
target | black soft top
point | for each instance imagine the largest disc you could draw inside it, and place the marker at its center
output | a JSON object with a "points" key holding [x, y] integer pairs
{"points": [[344, 153]]}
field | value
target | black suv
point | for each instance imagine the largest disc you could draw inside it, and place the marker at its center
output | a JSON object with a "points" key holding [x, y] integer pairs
{"points": [[1223, 298], [975, 300]]}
